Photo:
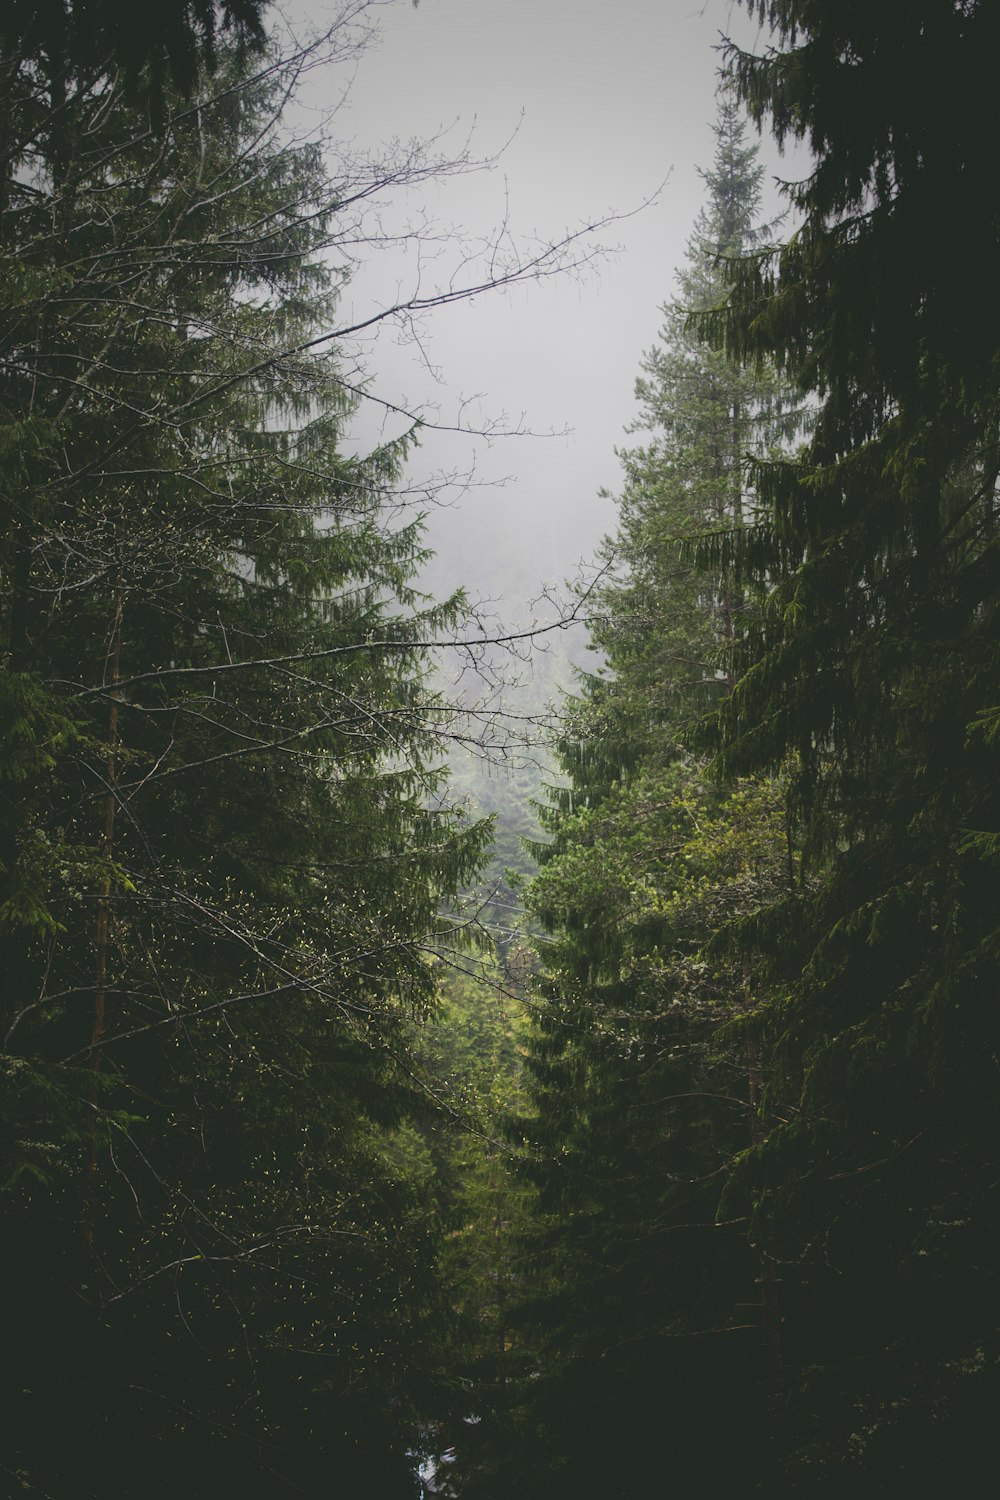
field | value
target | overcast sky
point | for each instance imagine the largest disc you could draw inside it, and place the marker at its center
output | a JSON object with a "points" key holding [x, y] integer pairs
{"points": [[609, 104]]}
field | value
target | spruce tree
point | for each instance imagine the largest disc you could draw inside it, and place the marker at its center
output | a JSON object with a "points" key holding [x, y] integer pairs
{"points": [[644, 1302], [872, 670], [224, 859]]}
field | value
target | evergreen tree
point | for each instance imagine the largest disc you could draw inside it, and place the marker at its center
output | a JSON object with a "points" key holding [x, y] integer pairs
{"points": [[644, 1302], [222, 856], [872, 666], [66, 37], [662, 621]]}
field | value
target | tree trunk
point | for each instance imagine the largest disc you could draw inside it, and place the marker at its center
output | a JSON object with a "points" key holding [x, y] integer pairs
{"points": [[112, 677]]}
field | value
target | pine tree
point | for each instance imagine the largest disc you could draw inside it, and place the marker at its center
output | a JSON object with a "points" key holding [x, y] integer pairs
{"points": [[178, 36], [640, 1314], [223, 854], [872, 667], [663, 622]]}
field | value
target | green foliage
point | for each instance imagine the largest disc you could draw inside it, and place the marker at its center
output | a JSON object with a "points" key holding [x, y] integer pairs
{"points": [[871, 671], [224, 852], [640, 1304], [471, 1064], [176, 37]]}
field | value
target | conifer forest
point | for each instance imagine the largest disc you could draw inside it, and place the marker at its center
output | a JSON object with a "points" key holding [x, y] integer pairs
{"points": [[375, 1124]]}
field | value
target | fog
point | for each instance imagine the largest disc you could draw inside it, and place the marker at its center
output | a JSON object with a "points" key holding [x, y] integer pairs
{"points": [[588, 111]]}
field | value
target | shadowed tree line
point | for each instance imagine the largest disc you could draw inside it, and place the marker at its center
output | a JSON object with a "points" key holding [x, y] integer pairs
{"points": [[711, 1203], [763, 1115]]}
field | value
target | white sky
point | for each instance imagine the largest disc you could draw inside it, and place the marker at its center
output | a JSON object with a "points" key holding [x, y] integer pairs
{"points": [[607, 98]]}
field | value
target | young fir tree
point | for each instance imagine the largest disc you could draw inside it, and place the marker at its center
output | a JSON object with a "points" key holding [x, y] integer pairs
{"points": [[221, 862], [650, 1330], [873, 665]]}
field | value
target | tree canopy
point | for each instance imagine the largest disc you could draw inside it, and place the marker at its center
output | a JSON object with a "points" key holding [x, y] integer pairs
{"points": [[225, 864], [704, 1193], [871, 672], [636, 1295], [173, 38]]}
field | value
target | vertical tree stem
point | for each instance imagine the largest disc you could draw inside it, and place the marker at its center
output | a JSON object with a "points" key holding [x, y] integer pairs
{"points": [[112, 677]]}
